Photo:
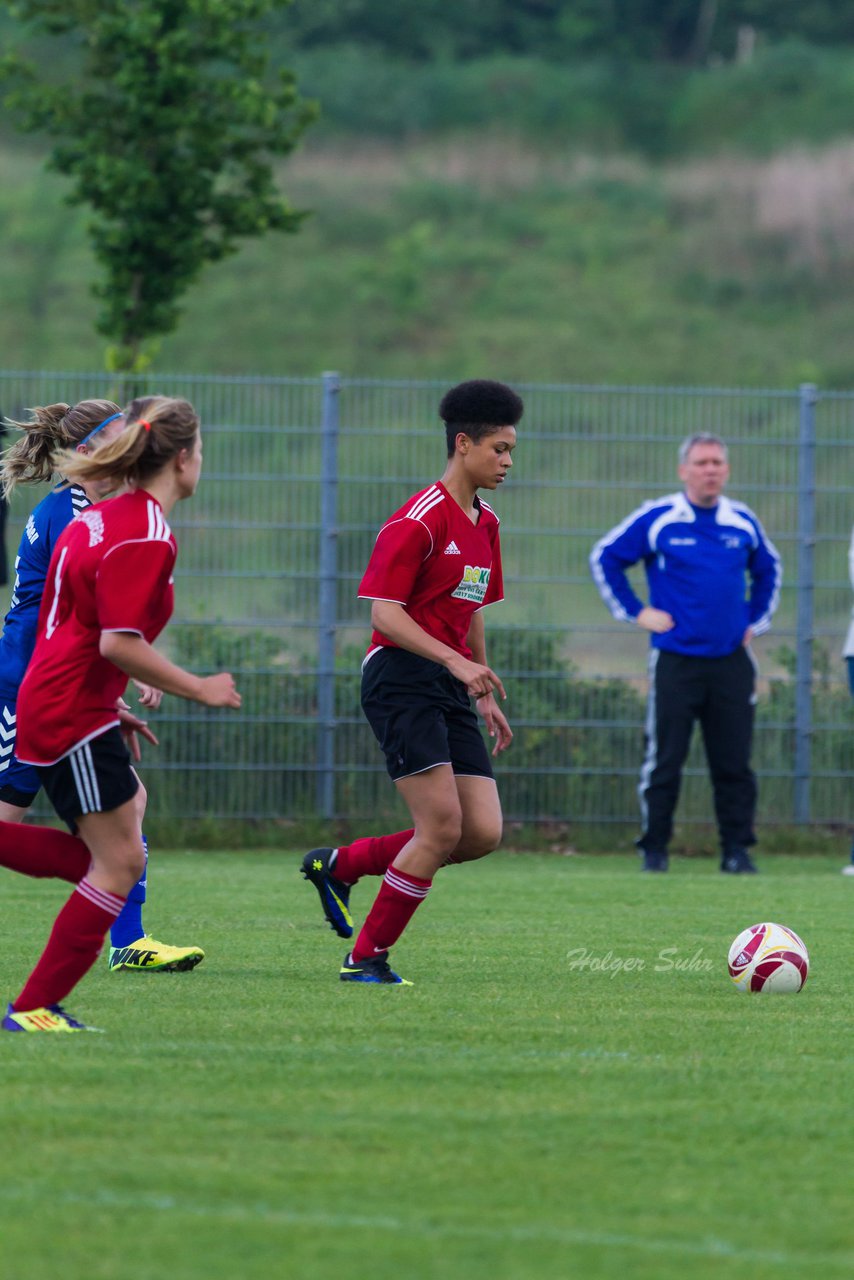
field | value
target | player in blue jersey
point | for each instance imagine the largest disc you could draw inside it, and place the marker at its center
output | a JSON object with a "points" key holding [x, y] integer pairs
{"points": [[698, 549], [84, 426]]}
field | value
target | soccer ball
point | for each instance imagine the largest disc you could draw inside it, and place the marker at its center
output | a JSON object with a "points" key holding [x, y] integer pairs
{"points": [[768, 957]]}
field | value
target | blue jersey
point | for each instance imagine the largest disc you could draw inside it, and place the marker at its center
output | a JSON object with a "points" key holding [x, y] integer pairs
{"points": [[43, 528], [697, 562]]}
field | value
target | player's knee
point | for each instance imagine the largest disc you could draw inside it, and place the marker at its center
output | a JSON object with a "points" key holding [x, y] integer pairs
{"points": [[451, 831], [129, 863], [482, 840], [445, 829]]}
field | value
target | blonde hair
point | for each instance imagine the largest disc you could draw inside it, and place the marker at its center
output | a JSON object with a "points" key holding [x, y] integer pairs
{"points": [[32, 459], [158, 428]]}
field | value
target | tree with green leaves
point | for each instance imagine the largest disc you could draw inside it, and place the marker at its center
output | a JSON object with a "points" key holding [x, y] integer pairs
{"points": [[166, 119]]}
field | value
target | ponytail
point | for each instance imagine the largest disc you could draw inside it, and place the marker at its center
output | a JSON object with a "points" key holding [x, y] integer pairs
{"points": [[32, 459], [158, 428]]}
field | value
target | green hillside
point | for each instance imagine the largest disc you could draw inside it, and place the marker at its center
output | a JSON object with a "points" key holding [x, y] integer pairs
{"points": [[555, 191], [453, 256]]}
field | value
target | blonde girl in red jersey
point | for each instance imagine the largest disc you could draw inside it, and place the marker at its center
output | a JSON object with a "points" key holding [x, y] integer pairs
{"points": [[81, 428], [435, 565], [109, 594]]}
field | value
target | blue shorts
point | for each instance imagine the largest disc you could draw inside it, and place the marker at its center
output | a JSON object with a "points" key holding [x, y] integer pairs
{"points": [[850, 662], [19, 783]]}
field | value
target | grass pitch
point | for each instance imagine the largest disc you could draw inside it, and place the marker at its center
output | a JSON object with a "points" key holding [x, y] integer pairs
{"points": [[571, 1088]]}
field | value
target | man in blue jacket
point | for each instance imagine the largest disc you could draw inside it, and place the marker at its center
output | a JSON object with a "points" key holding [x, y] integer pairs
{"points": [[698, 548]]}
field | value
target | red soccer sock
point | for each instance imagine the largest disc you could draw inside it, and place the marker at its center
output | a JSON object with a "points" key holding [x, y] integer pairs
{"points": [[72, 948], [396, 903], [370, 856], [43, 852]]}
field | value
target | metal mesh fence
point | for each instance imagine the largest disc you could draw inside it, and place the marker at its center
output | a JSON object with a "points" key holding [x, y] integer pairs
{"points": [[300, 473]]}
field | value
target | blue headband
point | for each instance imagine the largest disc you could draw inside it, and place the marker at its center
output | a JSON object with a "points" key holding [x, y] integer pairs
{"points": [[95, 430]]}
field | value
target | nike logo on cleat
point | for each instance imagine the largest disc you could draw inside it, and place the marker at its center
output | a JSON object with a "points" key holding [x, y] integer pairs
{"points": [[130, 955], [345, 913]]}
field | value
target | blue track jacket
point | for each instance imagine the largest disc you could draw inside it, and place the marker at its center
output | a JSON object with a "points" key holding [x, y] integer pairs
{"points": [[697, 560]]}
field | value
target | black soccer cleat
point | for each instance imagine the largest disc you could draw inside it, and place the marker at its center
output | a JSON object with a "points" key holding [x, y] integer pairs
{"points": [[334, 894], [738, 862], [377, 970]]}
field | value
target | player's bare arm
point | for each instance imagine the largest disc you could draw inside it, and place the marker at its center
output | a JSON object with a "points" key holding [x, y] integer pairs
{"points": [[392, 620], [496, 722], [135, 656]]}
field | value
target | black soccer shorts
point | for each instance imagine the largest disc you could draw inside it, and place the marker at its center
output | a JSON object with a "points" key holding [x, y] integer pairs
{"points": [[421, 716], [94, 778]]}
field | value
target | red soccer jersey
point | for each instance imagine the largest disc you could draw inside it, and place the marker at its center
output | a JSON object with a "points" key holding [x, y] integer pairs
{"points": [[430, 558], [111, 570]]}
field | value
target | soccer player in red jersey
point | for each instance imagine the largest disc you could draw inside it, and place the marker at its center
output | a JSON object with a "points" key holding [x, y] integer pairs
{"points": [[435, 565], [109, 594], [83, 428]]}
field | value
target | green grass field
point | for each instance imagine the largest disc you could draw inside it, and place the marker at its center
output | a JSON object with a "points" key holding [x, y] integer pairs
{"points": [[514, 1114]]}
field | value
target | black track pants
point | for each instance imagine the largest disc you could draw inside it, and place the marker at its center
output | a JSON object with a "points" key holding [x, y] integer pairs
{"points": [[720, 693]]}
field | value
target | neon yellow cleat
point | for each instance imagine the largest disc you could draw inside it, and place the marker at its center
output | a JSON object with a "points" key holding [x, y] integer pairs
{"points": [[53, 1018], [147, 955]]}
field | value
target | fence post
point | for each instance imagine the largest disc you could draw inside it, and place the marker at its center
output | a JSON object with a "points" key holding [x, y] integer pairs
{"points": [[327, 603], [806, 581]]}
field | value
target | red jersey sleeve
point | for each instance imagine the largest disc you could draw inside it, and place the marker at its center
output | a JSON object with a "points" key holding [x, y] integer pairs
{"points": [[399, 552], [132, 581]]}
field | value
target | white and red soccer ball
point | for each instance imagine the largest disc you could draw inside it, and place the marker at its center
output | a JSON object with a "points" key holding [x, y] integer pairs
{"points": [[768, 957]]}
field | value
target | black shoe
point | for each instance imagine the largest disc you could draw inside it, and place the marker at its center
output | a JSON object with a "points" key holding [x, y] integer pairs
{"points": [[334, 894], [377, 969], [738, 862], [653, 860]]}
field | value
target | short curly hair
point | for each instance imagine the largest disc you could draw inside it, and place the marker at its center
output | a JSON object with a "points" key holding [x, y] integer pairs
{"points": [[478, 408]]}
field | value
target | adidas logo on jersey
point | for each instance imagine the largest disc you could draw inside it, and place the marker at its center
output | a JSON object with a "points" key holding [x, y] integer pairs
{"points": [[452, 549]]}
